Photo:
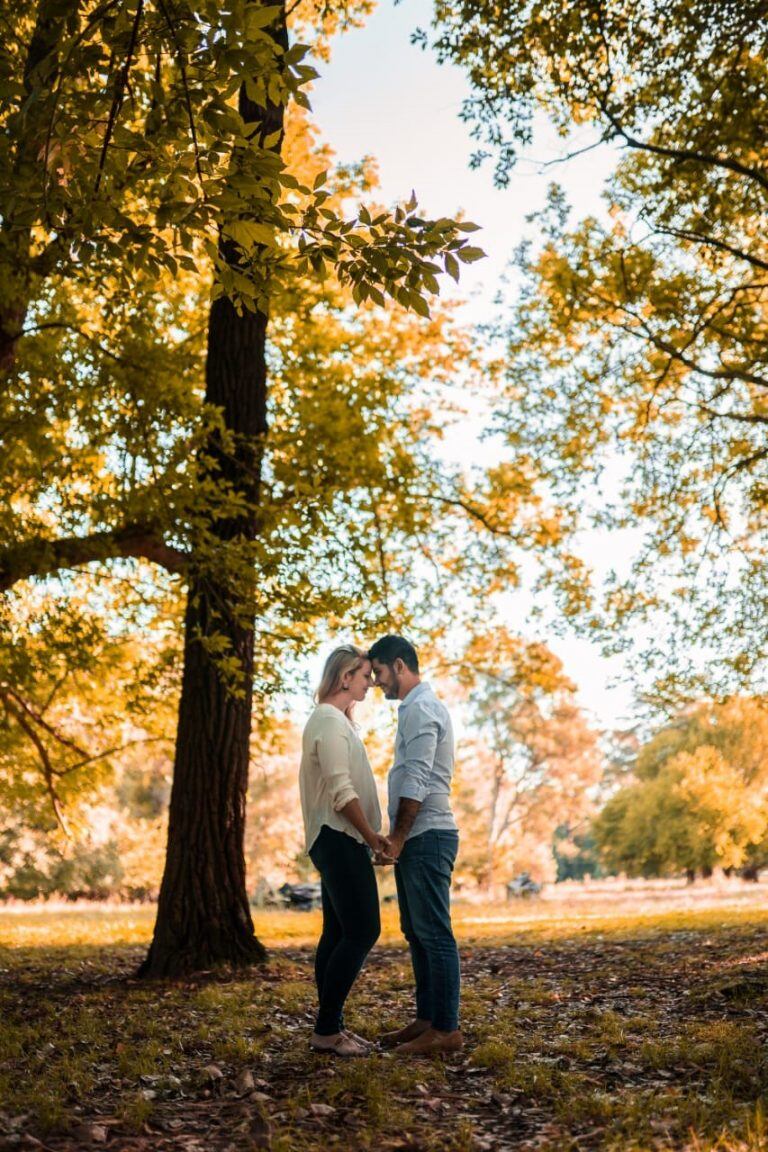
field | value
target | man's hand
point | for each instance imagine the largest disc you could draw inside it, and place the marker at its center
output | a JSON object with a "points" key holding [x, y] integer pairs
{"points": [[381, 852], [395, 841]]}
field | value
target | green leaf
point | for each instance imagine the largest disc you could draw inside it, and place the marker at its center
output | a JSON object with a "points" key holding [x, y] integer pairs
{"points": [[470, 255], [257, 17], [418, 304], [246, 233]]}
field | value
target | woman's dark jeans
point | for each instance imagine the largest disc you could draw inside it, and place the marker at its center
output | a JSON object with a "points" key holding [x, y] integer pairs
{"points": [[423, 877], [351, 921]]}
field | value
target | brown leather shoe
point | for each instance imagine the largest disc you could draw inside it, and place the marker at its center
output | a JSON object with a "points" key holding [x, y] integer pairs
{"points": [[403, 1035], [432, 1043]]}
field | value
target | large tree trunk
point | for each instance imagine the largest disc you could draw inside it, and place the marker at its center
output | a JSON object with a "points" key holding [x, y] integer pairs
{"points": [[203, 916]]}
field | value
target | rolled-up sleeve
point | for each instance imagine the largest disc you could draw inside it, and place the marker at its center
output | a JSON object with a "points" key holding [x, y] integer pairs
{"points": [[333, 754], [420, 735]]}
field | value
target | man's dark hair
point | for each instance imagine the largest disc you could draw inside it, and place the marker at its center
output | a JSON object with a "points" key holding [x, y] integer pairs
{"points": [[391, 648]]}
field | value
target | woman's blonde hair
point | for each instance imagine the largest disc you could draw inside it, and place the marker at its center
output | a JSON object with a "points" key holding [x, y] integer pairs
{"points": [[345, 658]]}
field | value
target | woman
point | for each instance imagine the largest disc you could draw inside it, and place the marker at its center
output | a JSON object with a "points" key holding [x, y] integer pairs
{"points": [[342, 820]]}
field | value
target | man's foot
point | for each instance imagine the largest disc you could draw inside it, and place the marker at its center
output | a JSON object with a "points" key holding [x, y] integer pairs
{"points": [[403, 1035], [338, 1045], [431, 1043]]}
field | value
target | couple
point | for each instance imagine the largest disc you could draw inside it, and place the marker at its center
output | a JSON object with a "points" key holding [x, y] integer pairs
{"points": [[342, 820]]}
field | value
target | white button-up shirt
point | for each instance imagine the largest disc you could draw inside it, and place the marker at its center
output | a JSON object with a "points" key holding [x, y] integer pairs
{"points": [[334, 770], [423, 766]]}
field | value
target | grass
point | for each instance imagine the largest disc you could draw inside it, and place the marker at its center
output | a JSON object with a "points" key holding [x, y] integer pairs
{"points": [[586, 1030], [74, 927]]}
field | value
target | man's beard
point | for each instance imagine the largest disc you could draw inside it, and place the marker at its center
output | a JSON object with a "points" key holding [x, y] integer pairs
{"points": [[393, 691]]}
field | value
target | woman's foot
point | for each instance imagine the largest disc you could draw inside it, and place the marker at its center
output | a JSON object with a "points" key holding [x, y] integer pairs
{"points": [[361, 1040], [339, 1044], [404, 1035]]}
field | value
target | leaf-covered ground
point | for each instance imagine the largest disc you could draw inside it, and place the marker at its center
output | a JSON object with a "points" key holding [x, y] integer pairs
{"points": [[620, 1033]]}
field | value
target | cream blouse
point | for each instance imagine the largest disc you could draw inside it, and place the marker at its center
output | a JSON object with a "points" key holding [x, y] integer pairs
{"points": [[334, 770]]}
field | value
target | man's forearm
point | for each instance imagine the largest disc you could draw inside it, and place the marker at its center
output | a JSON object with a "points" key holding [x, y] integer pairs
{"points": [[407, 812]]}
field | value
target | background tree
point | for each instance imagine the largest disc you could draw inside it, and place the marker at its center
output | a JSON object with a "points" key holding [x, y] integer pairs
{"points": [[636, 360], [575, 852], [535, 759], [699, 797]]}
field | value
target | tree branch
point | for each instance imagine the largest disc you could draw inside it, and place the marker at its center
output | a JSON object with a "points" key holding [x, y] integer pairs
{"points": [[643, 332], [111, 752], [472, 511], [119, 96], [38, 718], [187, 96], [45, 761], [681, 154], [43, 557], [711, 242], [50, 325], [740, 417]]}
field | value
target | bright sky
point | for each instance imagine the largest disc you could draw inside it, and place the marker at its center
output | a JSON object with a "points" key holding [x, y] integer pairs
{"points": [[380, 96]]}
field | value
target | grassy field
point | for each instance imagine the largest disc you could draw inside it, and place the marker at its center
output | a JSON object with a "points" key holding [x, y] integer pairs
{"points": [[562, 909], [617, 1021]]}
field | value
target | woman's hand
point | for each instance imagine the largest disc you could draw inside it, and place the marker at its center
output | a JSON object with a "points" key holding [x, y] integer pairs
{"points": [[380, 846]]}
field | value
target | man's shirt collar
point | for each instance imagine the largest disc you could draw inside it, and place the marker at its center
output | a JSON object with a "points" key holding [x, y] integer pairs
{"points": [[415, 692]]}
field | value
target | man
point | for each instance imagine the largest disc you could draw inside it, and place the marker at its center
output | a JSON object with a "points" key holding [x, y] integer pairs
{"points": [[423, 842]]}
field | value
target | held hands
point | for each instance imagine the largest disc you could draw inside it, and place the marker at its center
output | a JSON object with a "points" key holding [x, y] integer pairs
{"points": [[381, 852], [389, 849]]}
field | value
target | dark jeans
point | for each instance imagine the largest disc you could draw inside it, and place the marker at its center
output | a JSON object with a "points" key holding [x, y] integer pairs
{"points": [[423, 877], [351, 922]]}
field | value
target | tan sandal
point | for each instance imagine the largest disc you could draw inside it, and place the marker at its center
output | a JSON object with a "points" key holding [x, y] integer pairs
{"points": [[341, 1046], [361, 1041]]}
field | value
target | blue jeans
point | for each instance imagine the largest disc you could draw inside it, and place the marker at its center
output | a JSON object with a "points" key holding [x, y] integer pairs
{"points": [[423, 877]]}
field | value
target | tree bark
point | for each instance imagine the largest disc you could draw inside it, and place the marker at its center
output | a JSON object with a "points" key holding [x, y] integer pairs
{"points": [[203, 916], [40, 73]]}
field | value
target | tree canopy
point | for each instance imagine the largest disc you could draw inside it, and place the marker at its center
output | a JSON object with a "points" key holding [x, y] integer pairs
{"points": [[635, 371], [103, 430]]}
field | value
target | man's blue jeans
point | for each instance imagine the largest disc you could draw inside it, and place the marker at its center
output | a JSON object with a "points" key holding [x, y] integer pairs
{"points": [[423, 877]]}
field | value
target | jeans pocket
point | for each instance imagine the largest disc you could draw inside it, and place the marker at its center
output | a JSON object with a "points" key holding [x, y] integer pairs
{"points": [[415, 848], [448, 849]]}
